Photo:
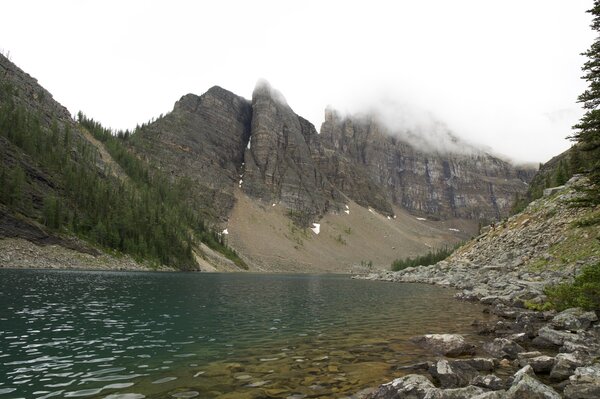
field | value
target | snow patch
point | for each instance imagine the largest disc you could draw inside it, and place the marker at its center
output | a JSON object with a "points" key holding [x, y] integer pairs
{"points": [[240, 185], [371, 210], [225, 232], [421, 219], [248, 146], [274, 204], [316, 228], [389, 218], [451, 229], [347, 211], [394, 216], [347, 207]]}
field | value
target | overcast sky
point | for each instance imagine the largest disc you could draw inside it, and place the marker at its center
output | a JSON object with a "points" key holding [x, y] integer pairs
{"points": [[502, 74]]}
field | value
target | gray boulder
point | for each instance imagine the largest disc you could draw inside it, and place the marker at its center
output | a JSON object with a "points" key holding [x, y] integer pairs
{"points": [[412, 386], [445, 344], [585, 383], [573, 319], [565, 365], [503, 348], [557, 338], [489, 381], [452, 374], [540, 363], [456, 393], [526, 386]]}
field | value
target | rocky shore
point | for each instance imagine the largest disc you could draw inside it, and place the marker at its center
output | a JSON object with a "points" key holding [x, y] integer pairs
{"points": [[17, 253], [529, 354]]}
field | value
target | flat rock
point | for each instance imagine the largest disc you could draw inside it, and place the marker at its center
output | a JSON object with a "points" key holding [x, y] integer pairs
{"points": [[503, 348], [527, 387], [456, 393], [452, 374], [413, 386], [565, 365], [445, 344], [574, 319], [489, 381], [556, 337]]}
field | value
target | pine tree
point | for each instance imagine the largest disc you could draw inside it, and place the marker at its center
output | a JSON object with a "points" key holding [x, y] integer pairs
{"points": [[587, 133]]}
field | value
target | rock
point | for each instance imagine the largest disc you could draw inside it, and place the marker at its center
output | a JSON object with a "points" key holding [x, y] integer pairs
{"points": [[548, 192], [456, 393], [502, 347], [584, 383], [526, 386], [445, 344], [478, 363], [565, 365], [573, 319], [501, 394], [540, 364], [452, 374], [412, 386], [557, 338], [489, 381]]}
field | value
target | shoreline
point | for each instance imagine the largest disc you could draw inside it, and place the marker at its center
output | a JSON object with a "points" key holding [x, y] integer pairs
{"points": [[555, 355]]}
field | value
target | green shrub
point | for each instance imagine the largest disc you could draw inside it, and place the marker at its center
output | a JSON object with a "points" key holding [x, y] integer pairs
{"points": [[583, 292]]}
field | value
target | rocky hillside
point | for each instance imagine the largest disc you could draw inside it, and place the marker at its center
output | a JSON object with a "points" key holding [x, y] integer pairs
{"points": [[73, 184], [507, 267], [513, 261]]}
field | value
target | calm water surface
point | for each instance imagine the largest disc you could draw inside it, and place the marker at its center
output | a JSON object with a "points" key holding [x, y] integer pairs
{"points": [[182, 335]]}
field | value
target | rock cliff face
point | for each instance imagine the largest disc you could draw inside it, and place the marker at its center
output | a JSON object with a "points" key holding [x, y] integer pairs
{"points": [[221, 141], [472, 185], [203, 138], [279, 167]]}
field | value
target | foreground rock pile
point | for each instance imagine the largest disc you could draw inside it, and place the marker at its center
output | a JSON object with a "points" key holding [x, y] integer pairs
{"points": [[529, 354], [555, 356]]}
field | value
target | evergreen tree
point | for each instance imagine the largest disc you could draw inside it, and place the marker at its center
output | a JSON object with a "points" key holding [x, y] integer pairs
{"points": [[588, 129]]}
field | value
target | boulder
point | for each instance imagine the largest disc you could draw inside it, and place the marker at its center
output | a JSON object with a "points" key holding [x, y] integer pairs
{"points": [[489, 381], [557, 338], [452, 374], [540, 363], [503, 348], [573, 319], [527, 387], [456, 393], [584, 383], [445, 344], [412, 386], [491, 395], [565, 365]]}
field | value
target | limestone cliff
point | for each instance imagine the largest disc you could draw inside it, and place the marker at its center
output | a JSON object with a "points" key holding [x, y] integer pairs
{"points": [[279, 167], [465, 184], [203, 139]]}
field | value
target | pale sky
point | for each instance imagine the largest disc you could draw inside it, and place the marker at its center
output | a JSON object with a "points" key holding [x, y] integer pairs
{"points": [[502, 74]]}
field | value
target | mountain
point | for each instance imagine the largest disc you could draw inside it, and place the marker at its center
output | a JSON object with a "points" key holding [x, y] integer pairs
{"points": [[222, 182]]}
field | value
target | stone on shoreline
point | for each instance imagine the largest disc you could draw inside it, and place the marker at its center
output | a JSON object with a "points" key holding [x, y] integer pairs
{"points": [[445, 344]]}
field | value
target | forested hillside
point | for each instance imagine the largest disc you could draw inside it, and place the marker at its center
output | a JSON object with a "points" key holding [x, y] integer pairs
{"points": [[54, 178]]}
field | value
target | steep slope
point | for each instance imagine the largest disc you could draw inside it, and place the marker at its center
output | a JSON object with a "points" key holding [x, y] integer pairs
{"points": [[514, 261], [59, 185], [462, 182], [279, 167], [204, 139]]}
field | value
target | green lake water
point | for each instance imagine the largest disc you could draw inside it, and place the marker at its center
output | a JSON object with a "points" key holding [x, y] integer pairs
{"points": [[161, 335]]}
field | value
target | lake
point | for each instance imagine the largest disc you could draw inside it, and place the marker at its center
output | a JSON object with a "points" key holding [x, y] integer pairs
{"points": [[139, 335]]}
